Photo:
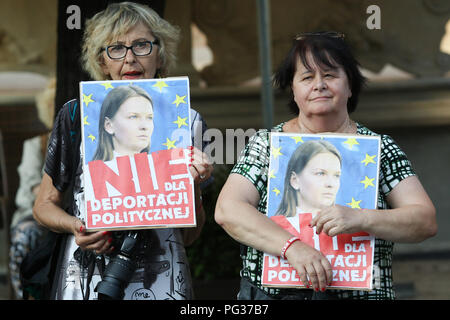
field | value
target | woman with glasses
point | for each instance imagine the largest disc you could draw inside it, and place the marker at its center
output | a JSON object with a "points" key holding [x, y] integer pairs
{"points": [[126, 41], [324, 82]]}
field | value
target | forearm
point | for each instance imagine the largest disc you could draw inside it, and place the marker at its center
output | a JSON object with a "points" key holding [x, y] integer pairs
{"points": [[244, 223], [412, 219], [47, 210], [412, 223], [53, 217]]}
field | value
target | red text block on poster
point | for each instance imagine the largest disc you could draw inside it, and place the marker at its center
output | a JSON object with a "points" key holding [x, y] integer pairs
{"points": [[350, 256], [143, 190]]}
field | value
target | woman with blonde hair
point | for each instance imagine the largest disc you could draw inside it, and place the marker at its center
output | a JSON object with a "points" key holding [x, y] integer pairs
{"points": [[126, 41]]}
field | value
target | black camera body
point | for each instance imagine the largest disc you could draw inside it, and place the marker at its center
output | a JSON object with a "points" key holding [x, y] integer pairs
{"points": [[119, 270]]}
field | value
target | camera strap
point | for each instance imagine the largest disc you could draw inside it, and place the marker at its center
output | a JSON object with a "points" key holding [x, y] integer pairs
{"points": [[88, 260]]}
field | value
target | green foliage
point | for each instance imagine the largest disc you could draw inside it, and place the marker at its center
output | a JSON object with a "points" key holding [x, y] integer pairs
{"points": [[214, 255]]}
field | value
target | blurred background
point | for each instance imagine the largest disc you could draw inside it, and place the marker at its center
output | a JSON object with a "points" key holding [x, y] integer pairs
{"points": [[229, 49]]}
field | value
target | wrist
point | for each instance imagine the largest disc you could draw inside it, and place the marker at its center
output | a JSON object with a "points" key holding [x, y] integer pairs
{"points": [[75, 226], [365, 220], [287, 245]]}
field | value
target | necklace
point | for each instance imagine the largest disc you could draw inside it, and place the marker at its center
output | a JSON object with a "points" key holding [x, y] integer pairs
{"points": [[347, 127]]}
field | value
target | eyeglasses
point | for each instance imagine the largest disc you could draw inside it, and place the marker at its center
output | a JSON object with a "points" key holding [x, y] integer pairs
{"points": [[330, 34], [141, 48]]}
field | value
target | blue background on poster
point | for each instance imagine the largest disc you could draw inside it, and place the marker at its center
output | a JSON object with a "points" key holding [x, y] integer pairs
{"points": [[165, 111]]}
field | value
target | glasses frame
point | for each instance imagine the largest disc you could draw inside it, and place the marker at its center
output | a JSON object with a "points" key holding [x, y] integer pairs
{"points": [[330, 34], [154, 42]]}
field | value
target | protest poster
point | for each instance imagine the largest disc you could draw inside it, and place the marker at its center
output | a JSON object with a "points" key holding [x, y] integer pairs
{"points": [[310, 172], [135, 136]]}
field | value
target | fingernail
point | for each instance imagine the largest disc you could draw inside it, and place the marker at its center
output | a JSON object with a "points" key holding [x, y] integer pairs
{"points": [[316, 289], [110, 240], [81, 229], [323, 289]]}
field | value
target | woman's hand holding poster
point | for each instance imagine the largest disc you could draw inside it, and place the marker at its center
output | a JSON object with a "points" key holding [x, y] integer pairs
{"points": [[328, 175]]}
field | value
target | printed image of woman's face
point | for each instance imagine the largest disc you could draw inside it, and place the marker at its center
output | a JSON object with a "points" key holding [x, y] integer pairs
{"points": [[318, 183], [132, 126]]}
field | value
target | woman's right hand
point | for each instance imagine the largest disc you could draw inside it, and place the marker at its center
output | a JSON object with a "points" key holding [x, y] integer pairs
{"points": [[99, 241], [310, 264]]}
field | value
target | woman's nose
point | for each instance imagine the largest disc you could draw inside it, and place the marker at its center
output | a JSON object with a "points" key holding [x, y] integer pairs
{"points": [[331, 182], [319, 83], [145, 124], [130, 57]]}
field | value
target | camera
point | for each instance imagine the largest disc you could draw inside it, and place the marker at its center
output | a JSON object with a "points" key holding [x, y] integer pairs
{"points": [[119, 270]]}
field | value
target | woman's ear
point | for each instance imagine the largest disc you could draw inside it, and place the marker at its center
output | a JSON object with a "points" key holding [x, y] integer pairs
{"points": [[294, 181], [349, 88], [108, 125]]}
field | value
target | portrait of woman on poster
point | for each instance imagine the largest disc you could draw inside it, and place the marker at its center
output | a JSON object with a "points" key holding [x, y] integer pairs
{"points": [[312, 179], [125, 123]]}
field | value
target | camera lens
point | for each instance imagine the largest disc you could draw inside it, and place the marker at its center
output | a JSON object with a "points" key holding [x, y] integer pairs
{"points": [[117, 275]]}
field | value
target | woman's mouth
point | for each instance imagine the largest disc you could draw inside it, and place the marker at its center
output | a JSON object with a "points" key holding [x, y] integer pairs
{"points": [[322, 98], [143, 138], [131, 75], [328, 195]]}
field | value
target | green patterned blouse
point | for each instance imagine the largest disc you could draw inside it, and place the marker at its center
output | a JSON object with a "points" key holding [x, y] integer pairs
{"points": [[253, 164]]}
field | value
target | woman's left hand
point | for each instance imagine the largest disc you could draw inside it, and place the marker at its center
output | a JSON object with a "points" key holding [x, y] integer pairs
{"points": [[201, 167], [338, 219]]}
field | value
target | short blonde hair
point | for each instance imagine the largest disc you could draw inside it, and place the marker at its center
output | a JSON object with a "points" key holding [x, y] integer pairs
{"points": [[116, 20]]}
